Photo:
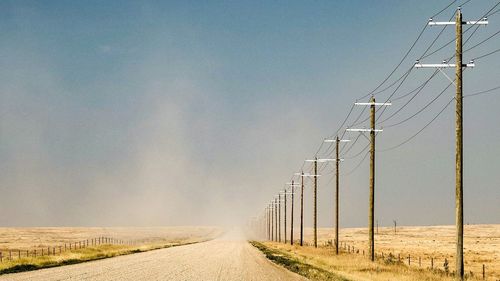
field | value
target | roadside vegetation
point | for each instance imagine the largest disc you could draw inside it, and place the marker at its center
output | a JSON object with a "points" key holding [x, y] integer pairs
{"points": [[79, 256], [321, 264]]}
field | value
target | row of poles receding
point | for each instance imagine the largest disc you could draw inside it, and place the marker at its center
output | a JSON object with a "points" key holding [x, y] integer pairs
{"points": [[272, 216]]}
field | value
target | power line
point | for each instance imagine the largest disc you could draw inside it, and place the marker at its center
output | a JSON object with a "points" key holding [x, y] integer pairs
{"points": [[435, 72], [488, 54], [407, 102], [358, 165], [404, 76], [422, 109], [465, 31], [409, 50], [480, 43], [482, 92], [417, 133]]}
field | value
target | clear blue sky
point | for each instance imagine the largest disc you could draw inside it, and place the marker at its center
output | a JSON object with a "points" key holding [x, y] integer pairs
{"points": [[163, 112]]}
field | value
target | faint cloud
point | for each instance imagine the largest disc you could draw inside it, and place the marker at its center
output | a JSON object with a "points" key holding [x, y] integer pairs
{"points": [[104, 49]]}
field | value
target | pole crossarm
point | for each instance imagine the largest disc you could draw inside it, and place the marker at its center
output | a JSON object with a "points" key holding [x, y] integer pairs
{"points": [[334, 140], [309, 175], [373, 103], [484, 21], [364, 130], [323, 160], [442, 65]]}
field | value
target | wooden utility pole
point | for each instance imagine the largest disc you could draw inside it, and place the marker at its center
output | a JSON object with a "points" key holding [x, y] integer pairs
{"points": [[291, 214], [279, 217], [337, 188], [272, 221], [371, 209], [267, 224], [275, 219], [284, 213], [371, 201], [459, 195], [315, 202], [337, 160], [302, 209], [458, 65]]}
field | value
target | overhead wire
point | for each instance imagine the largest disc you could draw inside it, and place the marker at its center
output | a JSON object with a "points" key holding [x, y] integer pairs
{"points": [[419, 131], [375, 91]]}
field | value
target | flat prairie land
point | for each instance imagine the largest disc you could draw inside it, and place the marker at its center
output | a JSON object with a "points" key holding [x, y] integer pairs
{"points": [[21, 249], [481, 245], [27, 238]]}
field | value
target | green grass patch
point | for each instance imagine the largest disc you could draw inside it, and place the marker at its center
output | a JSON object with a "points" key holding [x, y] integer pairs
{"points": [[296, 265]]}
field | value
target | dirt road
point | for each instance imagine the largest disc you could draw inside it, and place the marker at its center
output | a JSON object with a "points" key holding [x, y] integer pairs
{"points": [[227, 258]]}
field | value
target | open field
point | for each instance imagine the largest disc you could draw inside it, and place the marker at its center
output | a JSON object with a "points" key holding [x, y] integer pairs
{"points": [[25, 240], [481, 245], [319, 264], [228, 257]]}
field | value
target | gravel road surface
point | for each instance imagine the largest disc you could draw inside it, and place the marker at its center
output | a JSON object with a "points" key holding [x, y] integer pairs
{"points": [[226, 258]]}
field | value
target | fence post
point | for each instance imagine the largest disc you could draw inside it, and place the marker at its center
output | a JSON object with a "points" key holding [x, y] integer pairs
{"points": [[419, 262], [432, 263], [1, 258], [18, 254], [484, 272], [399, 257], [409, 259]]}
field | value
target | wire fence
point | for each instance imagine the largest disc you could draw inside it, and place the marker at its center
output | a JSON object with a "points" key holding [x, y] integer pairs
{"points": [[17, 254], [436, 265]]}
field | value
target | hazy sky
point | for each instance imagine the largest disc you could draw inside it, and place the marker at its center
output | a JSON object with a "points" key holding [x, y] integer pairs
{"points": [[175, 113]]}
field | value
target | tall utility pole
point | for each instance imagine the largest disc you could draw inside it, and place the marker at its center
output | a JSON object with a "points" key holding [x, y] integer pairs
{"points": [[279, 217], [292, 188], [316, 203], [267, 224], [275, 220], [271, 208], [315, 214], [337, 180], [371, 208], [372, 180], [273, 234], [292, 192], [458, 65], [302, 209], [284, 212]]}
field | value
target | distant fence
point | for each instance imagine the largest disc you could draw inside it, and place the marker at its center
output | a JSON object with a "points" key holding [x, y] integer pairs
{"points": [[12, 254], [407, 259]]}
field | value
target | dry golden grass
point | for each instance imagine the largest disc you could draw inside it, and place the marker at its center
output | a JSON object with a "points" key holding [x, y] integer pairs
{"points": [[481, 245], [37, 238], [355, 267], [24, 238]]}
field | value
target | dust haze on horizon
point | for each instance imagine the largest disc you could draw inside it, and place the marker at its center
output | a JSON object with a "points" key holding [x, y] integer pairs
{"points": [[188, 113]]}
